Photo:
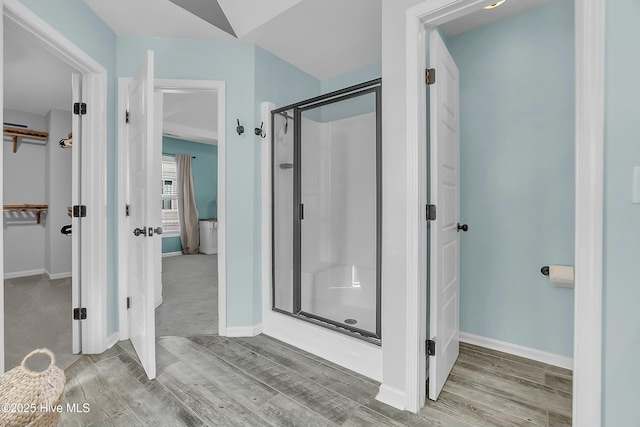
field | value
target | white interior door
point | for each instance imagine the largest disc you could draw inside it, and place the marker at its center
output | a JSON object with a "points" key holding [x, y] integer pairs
{"points": [[76, 131], [158, 98], [444, 258], [143, 193]]}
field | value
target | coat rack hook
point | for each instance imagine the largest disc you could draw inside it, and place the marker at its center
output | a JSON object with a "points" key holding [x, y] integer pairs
{"points": [[259, 132], [240, 128]]}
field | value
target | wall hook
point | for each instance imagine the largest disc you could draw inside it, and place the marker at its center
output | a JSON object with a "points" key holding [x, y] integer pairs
{"points": [[240, 128], [259, 132]]}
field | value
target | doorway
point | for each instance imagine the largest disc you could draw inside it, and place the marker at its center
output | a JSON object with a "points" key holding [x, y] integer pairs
{"points": [[186, 304], [515, 151], [588, 214], [168, 86], [90, 90], [40, 291]]}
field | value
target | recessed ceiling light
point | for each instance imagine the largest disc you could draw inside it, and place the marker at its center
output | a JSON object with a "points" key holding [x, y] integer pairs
{"points": [[494, 5]]}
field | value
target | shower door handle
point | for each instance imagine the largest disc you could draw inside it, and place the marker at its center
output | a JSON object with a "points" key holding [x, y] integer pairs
{"points": [[301, 211]]}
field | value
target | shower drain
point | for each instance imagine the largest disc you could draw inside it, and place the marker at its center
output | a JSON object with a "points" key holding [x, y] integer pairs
{"points": [[350, 321]]}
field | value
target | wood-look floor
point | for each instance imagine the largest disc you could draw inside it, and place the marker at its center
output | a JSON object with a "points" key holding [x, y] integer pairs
{"points": [[217, 381]]}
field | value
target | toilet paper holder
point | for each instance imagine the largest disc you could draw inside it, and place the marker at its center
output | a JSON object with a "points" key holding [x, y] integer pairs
{"points": [[545, 270]]}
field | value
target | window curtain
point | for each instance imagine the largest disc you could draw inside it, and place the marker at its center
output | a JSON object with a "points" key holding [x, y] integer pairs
{"points": [[187, 211]]}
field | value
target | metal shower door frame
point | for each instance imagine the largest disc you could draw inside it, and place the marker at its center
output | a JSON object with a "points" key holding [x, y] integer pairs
{"points": [[373, 86]]}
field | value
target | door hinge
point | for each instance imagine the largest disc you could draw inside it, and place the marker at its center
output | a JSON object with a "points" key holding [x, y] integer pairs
{"points": [[431, 348], [430, 76], [127, 210], [126, 117], [79, 108], [79, 313], [128, 303], [430, 212], [79, 211], [301, 210]]}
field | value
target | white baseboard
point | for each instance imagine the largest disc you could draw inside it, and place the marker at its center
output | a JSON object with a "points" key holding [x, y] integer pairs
{"points": [[112, 340], [518, 350], [392, 397], [166, 254], [25, 273], [158, 301], [57, 275], [244, 331]]}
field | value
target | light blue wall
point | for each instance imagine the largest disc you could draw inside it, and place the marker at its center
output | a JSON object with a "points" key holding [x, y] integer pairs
{"points": [[279, 82], [234, 63], [517, 176], [205, 180], [171, 244], [354, 77], [76, 21], [352, 107], [622, 219]]}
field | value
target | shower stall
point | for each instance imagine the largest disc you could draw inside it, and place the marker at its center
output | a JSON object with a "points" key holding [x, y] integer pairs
{"points": [[326, 210]]}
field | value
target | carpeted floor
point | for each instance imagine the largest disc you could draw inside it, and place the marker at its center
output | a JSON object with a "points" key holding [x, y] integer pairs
{"points": [[190, 296], [38, 310], [37, 313]]}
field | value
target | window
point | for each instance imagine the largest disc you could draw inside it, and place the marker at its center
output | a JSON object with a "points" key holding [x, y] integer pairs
{"points": [[170, 222]]}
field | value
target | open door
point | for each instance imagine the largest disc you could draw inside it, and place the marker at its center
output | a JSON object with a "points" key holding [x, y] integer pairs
{"points": [[76, 131], [444, 259], [144, 214]]}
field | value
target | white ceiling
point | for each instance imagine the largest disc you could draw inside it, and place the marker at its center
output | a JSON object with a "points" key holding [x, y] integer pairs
{"points": [[191, 116], [35, 81], [322, 37], [325, 38]]}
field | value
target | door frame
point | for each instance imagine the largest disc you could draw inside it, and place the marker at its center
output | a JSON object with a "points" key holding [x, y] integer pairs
{"points": [[93, 177], [589, 178], [172, 86]]}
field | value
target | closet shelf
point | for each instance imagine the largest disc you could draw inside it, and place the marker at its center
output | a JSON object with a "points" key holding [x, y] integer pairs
{"points": [[24, 133], [37, 209]]}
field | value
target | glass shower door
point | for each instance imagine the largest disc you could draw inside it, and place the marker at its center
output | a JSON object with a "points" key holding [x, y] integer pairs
{"points": [[340, 212]]}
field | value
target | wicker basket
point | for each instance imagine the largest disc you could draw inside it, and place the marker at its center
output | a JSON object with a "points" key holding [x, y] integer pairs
{"points": [[29, 398]]}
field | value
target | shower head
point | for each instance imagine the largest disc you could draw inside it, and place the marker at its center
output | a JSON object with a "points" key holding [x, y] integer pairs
{"points": [[286, 121], [286, 165]]}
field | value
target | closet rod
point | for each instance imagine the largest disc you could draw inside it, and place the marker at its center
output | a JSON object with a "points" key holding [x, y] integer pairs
{"points": [[173, 155]]}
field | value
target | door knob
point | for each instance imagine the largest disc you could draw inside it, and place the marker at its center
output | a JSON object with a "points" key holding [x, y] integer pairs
{"points": [[157, 230], [463, 227], [140, 231]]}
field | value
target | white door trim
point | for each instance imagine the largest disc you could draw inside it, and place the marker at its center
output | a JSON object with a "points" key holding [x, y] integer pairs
{"points": [[184, 86], [94, 192], [589, 148]]}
